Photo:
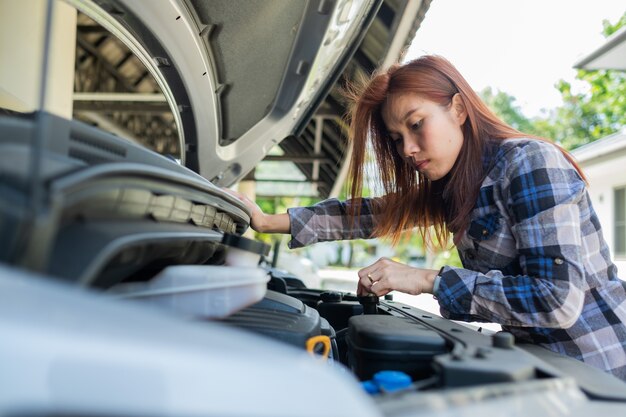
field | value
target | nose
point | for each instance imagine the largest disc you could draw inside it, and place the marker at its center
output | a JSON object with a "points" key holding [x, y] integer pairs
{"points": [[409, 146]]}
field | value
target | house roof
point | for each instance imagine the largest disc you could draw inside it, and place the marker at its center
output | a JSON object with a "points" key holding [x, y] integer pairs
{"points": [[614, 144], [610, 55]]}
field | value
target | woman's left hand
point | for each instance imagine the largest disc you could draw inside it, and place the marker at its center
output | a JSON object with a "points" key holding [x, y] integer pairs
{"points": [[385, 275]]}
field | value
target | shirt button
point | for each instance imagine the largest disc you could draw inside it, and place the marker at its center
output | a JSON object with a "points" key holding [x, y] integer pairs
{"points": [[485, 232], [558, 261]]}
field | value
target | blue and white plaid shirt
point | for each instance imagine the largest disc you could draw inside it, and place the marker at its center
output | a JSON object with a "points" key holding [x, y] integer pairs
{"points": [[534, 257]]}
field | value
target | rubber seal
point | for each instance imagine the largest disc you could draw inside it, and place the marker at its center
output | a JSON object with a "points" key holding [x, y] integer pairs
{"points": [[243, 243]]}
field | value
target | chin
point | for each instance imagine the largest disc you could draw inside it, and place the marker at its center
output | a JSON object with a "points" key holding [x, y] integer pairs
{"points": [[432, 177]]}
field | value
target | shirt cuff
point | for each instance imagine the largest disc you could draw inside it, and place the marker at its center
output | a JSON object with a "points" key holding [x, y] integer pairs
{"points": [[454, 294]]}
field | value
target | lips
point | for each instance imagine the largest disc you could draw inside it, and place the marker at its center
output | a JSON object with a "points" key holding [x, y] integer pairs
{"points": [[420, 165]]}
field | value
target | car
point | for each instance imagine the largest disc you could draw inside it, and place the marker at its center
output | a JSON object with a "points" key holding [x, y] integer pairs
{"points": [[127, 286]]}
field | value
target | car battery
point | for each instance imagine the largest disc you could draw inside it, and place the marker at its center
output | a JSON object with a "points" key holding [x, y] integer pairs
{"points": [[385, 342]]}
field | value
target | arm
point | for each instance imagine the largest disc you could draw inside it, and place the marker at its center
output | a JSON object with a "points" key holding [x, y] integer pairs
{"points": [[325, 221], [542, 191], [272, 223], [331, 220]]}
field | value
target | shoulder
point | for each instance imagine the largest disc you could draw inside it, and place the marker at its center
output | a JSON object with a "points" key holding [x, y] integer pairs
{"points": [[537, 176], [518, 156], [531, 154]]}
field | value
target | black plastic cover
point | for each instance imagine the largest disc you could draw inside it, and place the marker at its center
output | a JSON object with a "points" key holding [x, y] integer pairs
{"points": [[338, 313], [378, 342]]}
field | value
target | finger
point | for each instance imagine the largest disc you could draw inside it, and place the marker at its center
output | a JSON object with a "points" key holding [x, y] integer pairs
{"points": [[363, 289], [380, 288], [365, 283], [368, 280], [360, 291], [370, 271], [372, 268], [363, 275]]}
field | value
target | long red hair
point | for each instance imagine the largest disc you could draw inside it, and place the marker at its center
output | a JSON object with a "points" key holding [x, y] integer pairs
{"points": [[410, 199]]}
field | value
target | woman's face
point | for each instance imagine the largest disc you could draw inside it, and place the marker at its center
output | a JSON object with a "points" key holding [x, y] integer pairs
{"points": [[428, 136]]}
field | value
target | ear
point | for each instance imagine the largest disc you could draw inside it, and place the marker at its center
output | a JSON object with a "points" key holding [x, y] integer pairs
{"points": [[458, 108]]}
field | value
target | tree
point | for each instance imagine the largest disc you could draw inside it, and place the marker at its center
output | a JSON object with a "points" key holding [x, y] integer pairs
{"points": [[595, 112], [503, 105], [599, 110]]}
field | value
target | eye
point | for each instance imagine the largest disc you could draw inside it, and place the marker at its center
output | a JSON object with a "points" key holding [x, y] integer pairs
{"points": [[416, 125]]}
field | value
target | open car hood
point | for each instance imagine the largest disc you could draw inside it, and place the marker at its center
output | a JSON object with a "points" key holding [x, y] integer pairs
{"points": [[84, 207], [237, 84]]}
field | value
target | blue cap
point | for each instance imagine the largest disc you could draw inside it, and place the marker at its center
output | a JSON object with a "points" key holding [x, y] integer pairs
{"points": [[370, 387], [391, 381]]}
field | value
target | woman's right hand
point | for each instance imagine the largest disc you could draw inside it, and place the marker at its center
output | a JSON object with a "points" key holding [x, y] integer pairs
{"points": [[257, 216]]}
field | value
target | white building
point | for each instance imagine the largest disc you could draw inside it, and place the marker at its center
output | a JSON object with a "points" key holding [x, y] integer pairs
{"points": [[604, 161]]}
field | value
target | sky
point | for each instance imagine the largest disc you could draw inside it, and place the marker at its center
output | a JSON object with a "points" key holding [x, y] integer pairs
{"points": [[521, 47]]}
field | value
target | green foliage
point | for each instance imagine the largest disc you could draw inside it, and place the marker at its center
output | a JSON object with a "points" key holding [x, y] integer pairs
{"points": [[281, 204], [503, 105], [447, 257], [592, 114], [597, 111], [608, 28]]}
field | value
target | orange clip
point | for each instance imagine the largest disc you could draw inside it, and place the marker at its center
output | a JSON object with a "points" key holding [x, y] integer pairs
{"points": [[312, 343]]}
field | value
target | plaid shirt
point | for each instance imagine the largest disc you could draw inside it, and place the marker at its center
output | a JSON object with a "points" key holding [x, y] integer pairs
{"points": [[533, 254]]}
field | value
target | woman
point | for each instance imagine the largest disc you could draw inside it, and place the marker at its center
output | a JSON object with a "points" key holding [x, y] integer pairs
{"points": [[533, 253]]}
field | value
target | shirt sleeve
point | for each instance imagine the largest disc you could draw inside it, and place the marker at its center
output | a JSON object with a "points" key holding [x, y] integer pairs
{"points": [[330, 220], [541, 190]]}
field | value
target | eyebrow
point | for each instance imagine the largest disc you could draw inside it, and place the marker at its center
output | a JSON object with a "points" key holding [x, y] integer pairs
{"points": [[410, 112], [406, 115]]}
